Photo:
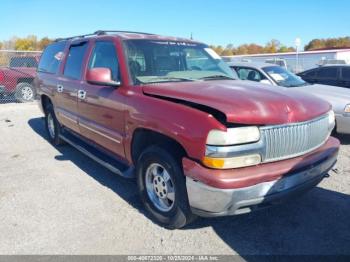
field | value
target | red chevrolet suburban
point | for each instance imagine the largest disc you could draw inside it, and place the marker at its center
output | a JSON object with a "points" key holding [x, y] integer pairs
{"points": [[169, 112]]}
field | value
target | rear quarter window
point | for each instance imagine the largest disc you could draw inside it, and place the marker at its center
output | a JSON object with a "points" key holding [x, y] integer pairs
{"points": [[51, 58]]}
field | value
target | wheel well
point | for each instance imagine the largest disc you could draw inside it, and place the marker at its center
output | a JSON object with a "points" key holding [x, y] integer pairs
{"points": [[45, 101], [25, 80], [143, 138]]}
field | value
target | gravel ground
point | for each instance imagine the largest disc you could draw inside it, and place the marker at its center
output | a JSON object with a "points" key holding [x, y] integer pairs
{"points": [[57, 201]]}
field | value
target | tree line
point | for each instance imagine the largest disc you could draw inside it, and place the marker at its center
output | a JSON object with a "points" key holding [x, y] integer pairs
{"points": [[29, 43], [33, 43]]}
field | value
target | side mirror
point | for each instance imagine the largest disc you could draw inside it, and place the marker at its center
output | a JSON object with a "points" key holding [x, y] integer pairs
{"points": [[265, 81], [101, 76]]}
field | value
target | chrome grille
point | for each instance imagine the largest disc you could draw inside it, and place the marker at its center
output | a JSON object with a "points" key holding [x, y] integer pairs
{"points": [[287, 141]]}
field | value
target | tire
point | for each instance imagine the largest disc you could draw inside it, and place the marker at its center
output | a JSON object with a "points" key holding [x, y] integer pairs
{"points": [[25, 92], [175, 213], [53, 128]]}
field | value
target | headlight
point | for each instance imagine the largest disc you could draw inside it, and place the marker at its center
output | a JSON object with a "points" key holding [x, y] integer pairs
{"points": [[347, 109], [234, 136], [233, 162]]}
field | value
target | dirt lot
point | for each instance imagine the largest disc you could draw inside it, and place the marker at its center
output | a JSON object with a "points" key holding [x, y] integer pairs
{"points": [[57, 201]]}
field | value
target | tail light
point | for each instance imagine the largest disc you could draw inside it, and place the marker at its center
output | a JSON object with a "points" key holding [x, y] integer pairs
{"points": [[2, 77]]}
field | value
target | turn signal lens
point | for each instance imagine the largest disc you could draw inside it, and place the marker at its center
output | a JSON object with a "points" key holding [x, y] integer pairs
{"points": [[233, 162]]}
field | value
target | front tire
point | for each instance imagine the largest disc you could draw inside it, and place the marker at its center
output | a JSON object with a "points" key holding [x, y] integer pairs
{"points": [[25, 92], [162, 187], [53, 128]]}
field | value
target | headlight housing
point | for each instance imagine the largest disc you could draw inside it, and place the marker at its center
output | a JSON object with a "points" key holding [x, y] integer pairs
{"points": [[234, 136]]}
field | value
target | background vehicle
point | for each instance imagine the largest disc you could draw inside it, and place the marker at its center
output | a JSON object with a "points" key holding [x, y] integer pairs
{"points": [[334, 75], [17, 78], [278, 76], [169, 112]]}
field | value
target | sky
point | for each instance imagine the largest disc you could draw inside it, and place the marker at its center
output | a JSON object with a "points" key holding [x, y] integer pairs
{"points": [[219, 22]]}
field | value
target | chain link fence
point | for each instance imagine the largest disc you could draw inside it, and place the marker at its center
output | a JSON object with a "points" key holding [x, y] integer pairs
{"points": [[17, 72]]}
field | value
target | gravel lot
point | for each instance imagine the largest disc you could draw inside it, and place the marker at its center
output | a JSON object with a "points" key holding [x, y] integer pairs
{"points": [[57, 201]]}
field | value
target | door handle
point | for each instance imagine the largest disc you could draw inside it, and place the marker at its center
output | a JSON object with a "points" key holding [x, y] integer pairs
{"points": [[81, 94], [60, 88]]}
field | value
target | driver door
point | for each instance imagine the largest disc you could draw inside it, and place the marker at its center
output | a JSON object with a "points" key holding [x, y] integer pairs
{"points": [[101, 108]]}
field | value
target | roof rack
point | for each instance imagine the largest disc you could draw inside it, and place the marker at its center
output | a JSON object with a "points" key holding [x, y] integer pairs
{"points": [[104, 32], [100, 32]]}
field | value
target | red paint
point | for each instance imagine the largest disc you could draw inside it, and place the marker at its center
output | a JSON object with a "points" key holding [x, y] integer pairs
{"points": [[11, 76], [119, 112], [99, 75]]}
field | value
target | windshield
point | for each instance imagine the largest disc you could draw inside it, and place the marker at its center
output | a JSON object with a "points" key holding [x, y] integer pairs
{"points": [[152, 61], [283, 77]]}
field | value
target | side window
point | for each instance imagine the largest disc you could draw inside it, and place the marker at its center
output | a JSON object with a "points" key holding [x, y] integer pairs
{"points": [[249, 74], [73, 67], [327, 73], [310, 74], [51, 58], [105, 55], [346, 73]]}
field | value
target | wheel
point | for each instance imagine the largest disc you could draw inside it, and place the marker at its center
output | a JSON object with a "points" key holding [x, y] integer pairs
{"points": [[53, 128], [24, 92], [162, 187]]}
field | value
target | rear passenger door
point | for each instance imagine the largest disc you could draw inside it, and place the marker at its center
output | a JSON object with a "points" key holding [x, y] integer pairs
{"points": [[345, 77], [69, 83]]}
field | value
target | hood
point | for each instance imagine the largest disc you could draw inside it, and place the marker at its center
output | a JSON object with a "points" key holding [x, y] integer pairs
{"points": [[339, 97], [245, 102], [28, 71]]}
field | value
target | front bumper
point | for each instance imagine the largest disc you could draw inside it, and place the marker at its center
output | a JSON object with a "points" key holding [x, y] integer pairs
{"points": [[343, 124], [209, 201]]}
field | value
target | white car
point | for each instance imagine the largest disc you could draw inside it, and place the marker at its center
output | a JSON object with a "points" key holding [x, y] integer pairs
{"points": [[278, 76]]}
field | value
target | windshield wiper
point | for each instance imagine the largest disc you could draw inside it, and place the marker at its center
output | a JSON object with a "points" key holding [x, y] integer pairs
{"points": [[214, 77], [169, 79]]}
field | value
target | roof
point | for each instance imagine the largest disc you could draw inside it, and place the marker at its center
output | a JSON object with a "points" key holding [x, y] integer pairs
{"points": [[250, 64], [294, 53], [128, 35]]}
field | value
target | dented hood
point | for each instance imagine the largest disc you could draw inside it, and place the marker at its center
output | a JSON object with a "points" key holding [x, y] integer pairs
{"points": [[245, 102]]}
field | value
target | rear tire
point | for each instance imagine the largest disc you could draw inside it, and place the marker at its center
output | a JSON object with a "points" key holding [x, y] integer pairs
{"points": [[53, 128], [25, 92], [162, 187]]}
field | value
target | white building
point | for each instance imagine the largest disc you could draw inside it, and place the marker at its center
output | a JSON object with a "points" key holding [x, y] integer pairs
{"points": [[297, 62]]}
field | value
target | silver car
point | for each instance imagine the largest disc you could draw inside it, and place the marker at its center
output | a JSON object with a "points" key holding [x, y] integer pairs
{"points": [[278, 76]]}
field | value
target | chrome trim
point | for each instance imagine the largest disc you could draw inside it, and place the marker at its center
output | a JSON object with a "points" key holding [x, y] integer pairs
{"points": [[295, 139], [99, 133], [210, 201], [279, 142], [233, 151]]}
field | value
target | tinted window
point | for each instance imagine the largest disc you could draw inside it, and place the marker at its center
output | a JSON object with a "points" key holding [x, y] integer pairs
{"points": [[23, 62], [105, 55], [74, 62], [310, 74], [346, 73], [328, 73], [51, 58], [249, 74]]}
